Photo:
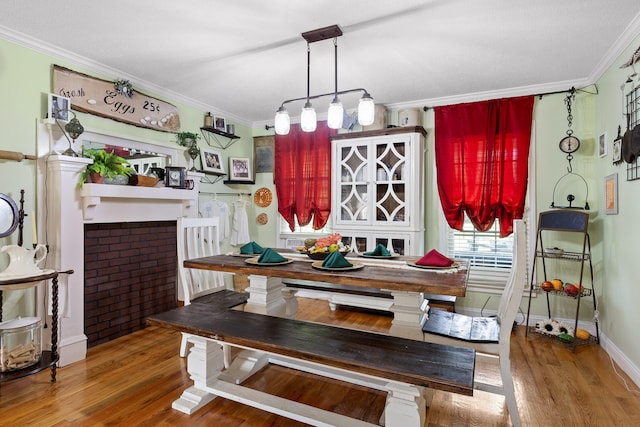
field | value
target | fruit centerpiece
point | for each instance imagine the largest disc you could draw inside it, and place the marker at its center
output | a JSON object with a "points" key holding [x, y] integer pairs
{"points": [[319, 249]]}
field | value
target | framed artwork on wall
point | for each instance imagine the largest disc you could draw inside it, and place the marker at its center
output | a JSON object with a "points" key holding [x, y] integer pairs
{"points": [[219, 123], [211, 160], [59, 107], [240, 169], [263, 153], [611, 194], [602, 144]]}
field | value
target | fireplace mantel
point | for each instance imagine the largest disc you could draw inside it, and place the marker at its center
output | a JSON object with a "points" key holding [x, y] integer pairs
{"points": [[122, 203]]}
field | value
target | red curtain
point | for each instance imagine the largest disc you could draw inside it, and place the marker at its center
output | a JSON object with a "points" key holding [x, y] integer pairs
{"points": [[482, 157], [302, 174]]}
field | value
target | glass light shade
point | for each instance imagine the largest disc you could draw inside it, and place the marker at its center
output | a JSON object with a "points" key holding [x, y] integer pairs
{"points": [[366, 110], [308, 118], [282, 121], [335, 114]]}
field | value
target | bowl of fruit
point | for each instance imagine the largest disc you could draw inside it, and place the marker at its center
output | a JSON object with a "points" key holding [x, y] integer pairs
{"points": [[319, 249]]}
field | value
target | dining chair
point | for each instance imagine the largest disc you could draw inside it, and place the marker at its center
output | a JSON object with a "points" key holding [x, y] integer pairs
{"points": [[489, 336], [197, 237]]}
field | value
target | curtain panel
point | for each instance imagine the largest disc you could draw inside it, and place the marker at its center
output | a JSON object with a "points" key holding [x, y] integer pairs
{"points": [[302, 175], [482, 158]]}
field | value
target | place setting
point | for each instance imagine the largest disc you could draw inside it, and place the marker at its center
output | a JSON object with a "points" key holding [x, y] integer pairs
{"points": [[269, 257], [249, 250], [379, 252], [434, 260], [336, 262]]}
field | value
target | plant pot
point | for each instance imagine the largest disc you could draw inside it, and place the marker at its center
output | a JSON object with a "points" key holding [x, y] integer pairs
{"points": [[96, 178]]}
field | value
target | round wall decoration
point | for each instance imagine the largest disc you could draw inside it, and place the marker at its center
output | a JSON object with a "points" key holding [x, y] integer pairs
{"points": [[263, 197], [262, 219]]}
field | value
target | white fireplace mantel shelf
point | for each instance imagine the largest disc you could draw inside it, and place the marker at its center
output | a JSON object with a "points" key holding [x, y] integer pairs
{"points": [[148, 203]]}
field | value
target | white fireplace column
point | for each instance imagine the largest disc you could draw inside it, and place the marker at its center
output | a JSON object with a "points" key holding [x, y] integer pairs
{"points": [[65, 237]]}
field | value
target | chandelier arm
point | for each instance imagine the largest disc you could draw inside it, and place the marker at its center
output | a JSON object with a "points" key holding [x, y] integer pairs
{"points": [[342, 92], [308, 70]]}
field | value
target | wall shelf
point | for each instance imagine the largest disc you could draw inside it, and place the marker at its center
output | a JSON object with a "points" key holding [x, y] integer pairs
{"points": [[212, 177], [217, 138], [235, 181]]}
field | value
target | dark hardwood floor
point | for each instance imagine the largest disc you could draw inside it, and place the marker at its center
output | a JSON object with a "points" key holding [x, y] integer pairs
{"points": [[133, 380]]}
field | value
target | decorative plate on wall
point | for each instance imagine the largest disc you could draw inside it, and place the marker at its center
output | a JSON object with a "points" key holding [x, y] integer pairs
{"points": [[263, 218], [263, 197]]}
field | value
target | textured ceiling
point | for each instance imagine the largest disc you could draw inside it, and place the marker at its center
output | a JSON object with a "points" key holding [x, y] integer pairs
{"points": [[243, 58]]}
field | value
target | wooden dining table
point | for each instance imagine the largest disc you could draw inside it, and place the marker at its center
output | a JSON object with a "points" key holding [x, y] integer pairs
{"points": [[407, 284]]}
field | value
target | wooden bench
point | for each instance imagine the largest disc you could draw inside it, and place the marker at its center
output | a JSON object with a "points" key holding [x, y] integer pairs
{"points": [[407, 370], [372, 298]]}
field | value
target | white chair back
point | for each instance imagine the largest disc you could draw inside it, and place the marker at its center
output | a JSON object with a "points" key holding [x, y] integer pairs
{"points": [[513, 291], [198, 237]]}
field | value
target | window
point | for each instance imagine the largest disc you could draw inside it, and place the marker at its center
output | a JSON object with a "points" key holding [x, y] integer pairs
{"points": [[289, 239], [489, 255]]}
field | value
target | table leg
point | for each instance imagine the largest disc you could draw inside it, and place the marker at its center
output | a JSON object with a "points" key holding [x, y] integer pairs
{"points": [[409, 314], [265, 296]]}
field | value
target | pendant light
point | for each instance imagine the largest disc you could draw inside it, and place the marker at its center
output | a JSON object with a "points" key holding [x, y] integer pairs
{"points": [[308, 117], [335, 114]]}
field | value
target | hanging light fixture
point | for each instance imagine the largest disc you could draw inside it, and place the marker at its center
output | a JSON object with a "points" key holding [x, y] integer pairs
{"points": [[335, 114]]}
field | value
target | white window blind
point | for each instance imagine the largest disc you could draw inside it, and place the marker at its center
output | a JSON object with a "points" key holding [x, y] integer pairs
{"points": [[489, 255]]}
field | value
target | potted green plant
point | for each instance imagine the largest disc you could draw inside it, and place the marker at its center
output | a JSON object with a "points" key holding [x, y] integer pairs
{"points": [[187, 139], [105, 165]]}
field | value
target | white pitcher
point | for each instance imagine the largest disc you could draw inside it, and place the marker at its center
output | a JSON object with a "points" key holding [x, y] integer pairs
{"points": [[23, 261]]}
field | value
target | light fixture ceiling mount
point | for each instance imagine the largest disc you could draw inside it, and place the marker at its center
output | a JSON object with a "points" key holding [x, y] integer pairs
{"points": [[366, 106]]}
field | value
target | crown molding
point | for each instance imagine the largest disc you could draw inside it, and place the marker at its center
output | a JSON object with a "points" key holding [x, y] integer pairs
{"points": [[56, 52], [619, 46]]}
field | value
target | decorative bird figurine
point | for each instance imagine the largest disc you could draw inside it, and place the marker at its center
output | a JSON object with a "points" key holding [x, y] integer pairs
{"points": [[634, 58]]}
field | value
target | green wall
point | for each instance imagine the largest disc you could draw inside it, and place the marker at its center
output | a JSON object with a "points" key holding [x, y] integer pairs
{"points": [[25, 79]]}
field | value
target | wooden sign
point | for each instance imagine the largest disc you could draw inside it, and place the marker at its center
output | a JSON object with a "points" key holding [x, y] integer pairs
{"points": [[100, 97]]}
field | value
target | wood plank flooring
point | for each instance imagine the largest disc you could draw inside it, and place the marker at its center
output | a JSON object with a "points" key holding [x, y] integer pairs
{"points": [[133, 380]]}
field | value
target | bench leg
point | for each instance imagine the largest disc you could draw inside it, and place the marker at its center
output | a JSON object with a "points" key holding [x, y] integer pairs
{"points": [[406, 406], [290, 302], [245, 364], [205, 364]]}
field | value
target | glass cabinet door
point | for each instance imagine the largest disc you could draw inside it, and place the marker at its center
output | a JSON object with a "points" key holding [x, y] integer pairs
{"points": [[354, 183], [391, 180]]}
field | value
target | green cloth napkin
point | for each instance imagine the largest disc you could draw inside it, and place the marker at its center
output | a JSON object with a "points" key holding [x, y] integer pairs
{"points": [[251, 248], [380, 250], [269, 256], [336, 260]]}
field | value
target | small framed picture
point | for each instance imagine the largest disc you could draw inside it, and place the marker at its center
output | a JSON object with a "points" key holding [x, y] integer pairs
{"points": [[240, 169], [611, 194], [174, 176], [59, 107], [602, 144], [211, 160], [617, 151], [219, 123]]}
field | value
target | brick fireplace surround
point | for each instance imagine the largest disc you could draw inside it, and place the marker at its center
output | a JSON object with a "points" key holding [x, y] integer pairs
{"points": [[129, 274]]}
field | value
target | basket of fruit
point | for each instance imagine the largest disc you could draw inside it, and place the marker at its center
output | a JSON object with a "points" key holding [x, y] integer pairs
{"points": [[319, 249]]}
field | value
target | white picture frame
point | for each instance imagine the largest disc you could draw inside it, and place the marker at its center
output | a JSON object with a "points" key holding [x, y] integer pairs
{"points": [[240, 169], [58, 107], [220, 123], [602, 144], [211, 160]]}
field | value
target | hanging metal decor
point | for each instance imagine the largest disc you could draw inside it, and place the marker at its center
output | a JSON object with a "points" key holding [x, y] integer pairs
{"points": [[569, 145], [123, 87]]}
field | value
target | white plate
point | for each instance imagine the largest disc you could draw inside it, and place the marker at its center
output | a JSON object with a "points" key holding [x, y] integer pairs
{"points": [[254, 261], [433, 267]]}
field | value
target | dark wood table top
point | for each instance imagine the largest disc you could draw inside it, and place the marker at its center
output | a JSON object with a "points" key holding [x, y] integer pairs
{"points": [[406, 279]]}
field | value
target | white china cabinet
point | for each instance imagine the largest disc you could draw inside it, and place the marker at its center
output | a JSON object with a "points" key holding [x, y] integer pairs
{"points": [[378, 189]]}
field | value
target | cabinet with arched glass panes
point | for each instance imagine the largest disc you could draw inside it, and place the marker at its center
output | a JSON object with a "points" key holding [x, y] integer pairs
{"points": [[377, 189]]}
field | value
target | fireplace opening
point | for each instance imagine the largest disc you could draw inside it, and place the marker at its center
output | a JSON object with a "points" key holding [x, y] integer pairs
{"points": [[130, 273]]}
